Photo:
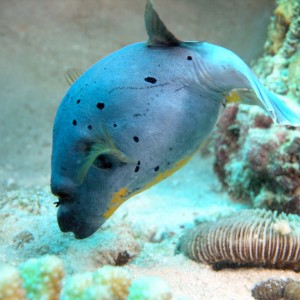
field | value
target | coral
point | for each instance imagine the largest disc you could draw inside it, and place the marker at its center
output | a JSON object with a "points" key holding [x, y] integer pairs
{"points": [[117, 278], [41, 279], [270, 289], [277, 289], [83, 287], [246, 238], [281, 49], [294, 74], [11, 284], [292, 290], [257, 161], [150, 288]]}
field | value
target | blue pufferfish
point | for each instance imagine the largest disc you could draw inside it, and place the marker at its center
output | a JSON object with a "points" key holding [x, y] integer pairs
{"points": [[138, 115]]}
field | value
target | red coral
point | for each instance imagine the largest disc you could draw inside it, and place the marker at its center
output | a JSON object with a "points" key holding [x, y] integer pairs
{"points": [[267, 156]]}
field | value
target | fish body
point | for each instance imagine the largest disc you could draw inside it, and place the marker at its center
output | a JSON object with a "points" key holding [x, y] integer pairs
{"points": [[137, 116]]}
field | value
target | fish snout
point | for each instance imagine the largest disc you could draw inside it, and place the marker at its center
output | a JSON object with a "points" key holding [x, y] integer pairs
{"points": [[70, 221], [63, 189]]}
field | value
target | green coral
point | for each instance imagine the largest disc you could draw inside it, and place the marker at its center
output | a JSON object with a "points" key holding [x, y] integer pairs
{"points": [[11, 284], [108, 282], [82, 287], [43, 279], [150, 288]]}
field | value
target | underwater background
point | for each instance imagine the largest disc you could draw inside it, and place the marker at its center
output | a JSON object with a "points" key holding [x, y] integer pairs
{"points": [[39, 41]]}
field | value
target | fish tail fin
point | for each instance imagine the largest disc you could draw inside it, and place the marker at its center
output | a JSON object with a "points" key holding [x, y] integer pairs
{"points": [[280, 112]]}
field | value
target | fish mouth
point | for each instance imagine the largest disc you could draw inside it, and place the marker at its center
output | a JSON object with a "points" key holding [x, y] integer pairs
{"points": [[68, 221]]}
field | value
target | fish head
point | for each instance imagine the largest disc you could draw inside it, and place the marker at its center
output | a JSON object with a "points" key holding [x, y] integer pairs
{"points": [[90, 176], [104, 152]]}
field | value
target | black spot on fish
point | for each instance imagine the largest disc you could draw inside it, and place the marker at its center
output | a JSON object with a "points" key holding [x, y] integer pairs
{"points": [[78, 101], [137, 115], [136, 139], [74, 122], [115, 125], [168, 163], [137, 168], [170, 149], [151, 79], [156, 168], [189, 58], [90, 127], [63, 168], [138, 163], [100, 105]]}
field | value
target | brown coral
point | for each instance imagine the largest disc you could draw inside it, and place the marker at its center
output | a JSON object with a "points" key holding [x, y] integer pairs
{"points": [[292, 290], [271, 289], [277, 289], [247, 238], [257, 161]]}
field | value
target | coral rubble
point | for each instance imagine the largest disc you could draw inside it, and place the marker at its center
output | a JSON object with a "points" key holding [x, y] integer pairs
{"points": [[257, 161], [42, 278], [279, 67], [246, 238]]}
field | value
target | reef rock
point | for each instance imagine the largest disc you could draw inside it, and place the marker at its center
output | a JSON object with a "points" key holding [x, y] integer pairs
{"points": [[257, 161], [277, 289], [278, 68]]}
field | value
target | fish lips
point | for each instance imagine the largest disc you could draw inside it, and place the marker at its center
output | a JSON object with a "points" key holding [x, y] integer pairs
{"points": [[80, 224]]}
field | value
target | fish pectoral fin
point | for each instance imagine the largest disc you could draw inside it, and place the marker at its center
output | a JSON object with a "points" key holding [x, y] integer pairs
{"points": [[244, 96], [72, 75], [158, 33]]}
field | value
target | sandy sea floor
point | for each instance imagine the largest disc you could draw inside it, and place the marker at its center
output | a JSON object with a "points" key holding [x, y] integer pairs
{"points": [[39, 40], [147, 227]]}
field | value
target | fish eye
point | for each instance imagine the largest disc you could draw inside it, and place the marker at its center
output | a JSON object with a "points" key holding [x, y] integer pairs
{"points": [[104, 162]]}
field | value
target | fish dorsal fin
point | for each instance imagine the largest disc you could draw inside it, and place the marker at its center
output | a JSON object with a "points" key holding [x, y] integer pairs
{"points": [[158, 33], [72, 75]]}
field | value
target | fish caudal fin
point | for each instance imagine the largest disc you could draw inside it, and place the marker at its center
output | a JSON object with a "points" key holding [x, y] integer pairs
{"points": [[158, 33]]}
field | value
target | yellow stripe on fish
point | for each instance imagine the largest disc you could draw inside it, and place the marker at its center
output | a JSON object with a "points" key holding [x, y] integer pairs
{"points": [[122, 195]]}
